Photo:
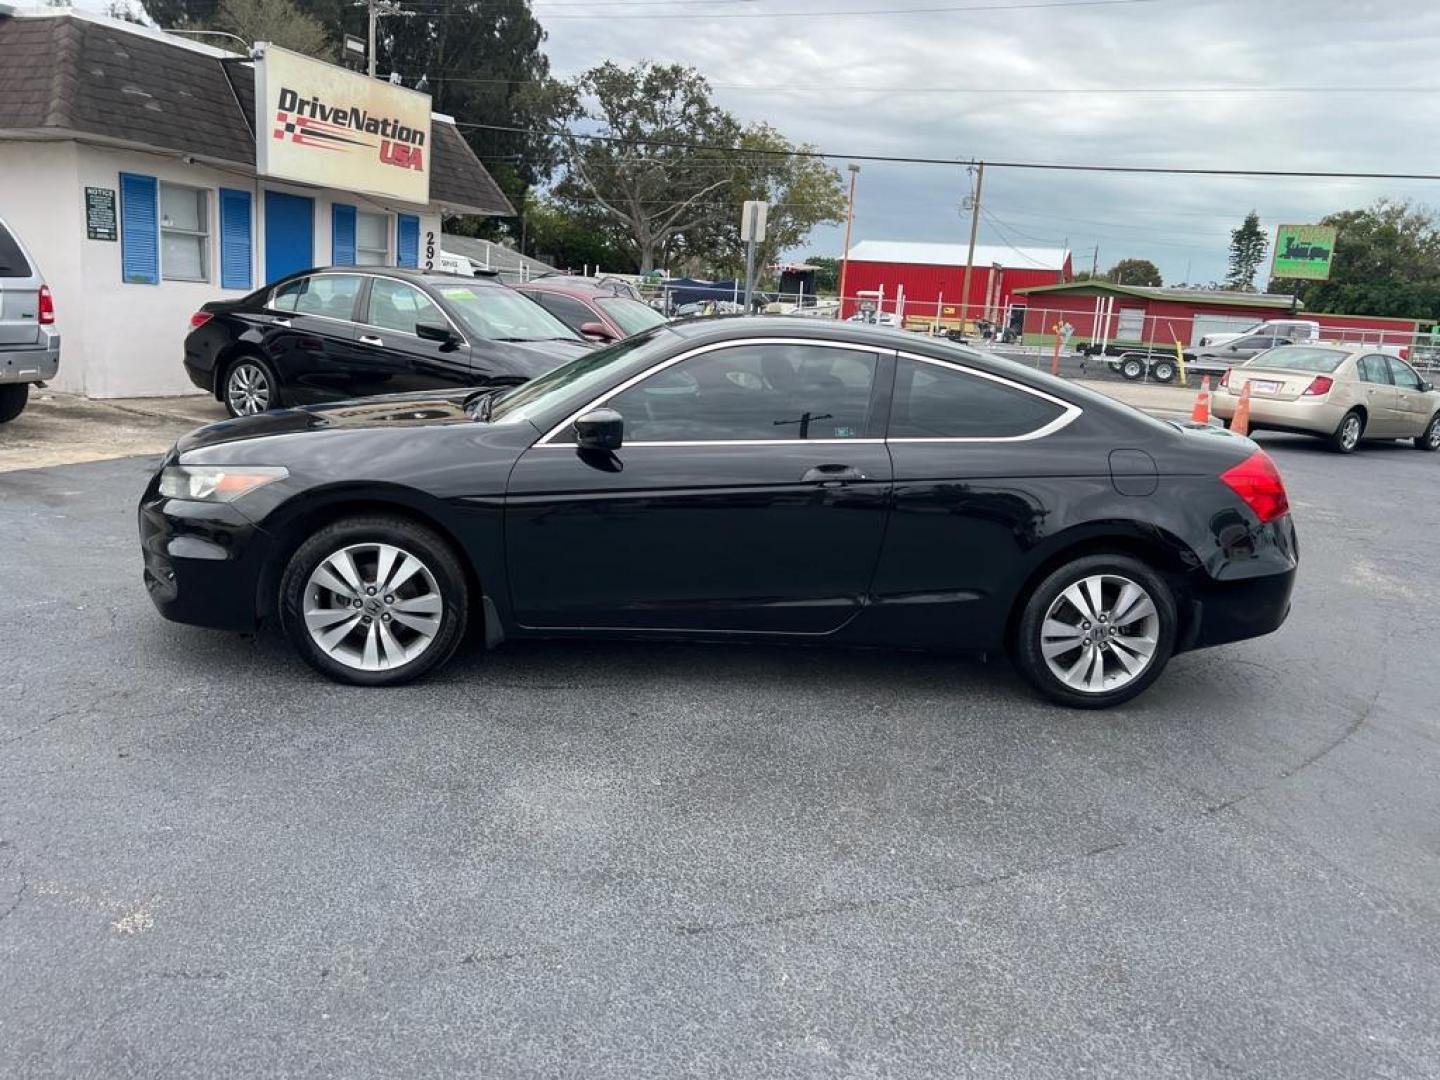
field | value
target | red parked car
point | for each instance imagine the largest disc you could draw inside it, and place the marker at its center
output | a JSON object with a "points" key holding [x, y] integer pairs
{"points": [[603, 309]]}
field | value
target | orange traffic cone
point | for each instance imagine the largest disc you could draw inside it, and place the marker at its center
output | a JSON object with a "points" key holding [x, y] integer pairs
{"points": [[1240, 425], [1201, 413]]}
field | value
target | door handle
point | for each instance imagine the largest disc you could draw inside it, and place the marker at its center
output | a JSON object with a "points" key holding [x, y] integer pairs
{"points": [[370, 339], [280, 322], [831, 475]]}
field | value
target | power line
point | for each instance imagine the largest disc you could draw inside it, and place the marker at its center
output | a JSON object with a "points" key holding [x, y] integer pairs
{"points": [[1053, 166]]}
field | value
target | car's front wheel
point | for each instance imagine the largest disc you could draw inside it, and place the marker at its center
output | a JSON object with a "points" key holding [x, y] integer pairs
{"points": [[250, 387], [1429, 439], [374, 600], [1096, 631]]}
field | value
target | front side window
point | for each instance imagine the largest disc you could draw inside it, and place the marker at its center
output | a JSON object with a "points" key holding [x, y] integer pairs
{"points": [[573, 313], [184, 233], [372, 239], [753, 392], [501, 314], [394, 305], [331, 296], [935, 402], [1402, 374]]}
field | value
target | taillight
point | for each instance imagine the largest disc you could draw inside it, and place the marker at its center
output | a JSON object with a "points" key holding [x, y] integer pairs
{"points": [[1319, 386], [1257, 481], [47, 306], [199, 319], [1225, 379], [1404, 353]]}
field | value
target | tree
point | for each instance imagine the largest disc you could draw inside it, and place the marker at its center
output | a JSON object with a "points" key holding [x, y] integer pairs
{"points": [[571, 240], [1386, 262], [827, 274], [1248, 245], [1135, 272], [278, 21], [652, 172]]}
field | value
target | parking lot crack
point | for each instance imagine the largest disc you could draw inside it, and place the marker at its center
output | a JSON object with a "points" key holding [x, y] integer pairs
{"points": [[847, 907]]}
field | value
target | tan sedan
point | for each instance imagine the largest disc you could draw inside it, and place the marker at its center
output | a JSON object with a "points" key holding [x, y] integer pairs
{"points": [[1342, 393]]}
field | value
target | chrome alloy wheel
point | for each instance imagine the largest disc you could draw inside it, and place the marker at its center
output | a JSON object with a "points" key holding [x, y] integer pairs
{"points": [[247, 388], [1432, 434], [372, 607], [1100, 633], [1350, 431]]}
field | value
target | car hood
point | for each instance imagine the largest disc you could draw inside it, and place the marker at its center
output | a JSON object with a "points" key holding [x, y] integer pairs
{"points": [[531, 358], [413, 410]]}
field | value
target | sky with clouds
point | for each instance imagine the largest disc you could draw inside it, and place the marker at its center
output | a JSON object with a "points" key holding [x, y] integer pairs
{"points": [[1037, 84]]}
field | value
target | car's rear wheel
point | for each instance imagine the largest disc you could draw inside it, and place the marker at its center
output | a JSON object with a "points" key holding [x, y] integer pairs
{"points": [[250, 387], [1429, 439], [1346, 436], [1096, 632], [12, 400], [374, 600]]}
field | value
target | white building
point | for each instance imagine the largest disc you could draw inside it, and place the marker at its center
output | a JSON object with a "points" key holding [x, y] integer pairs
{"points": [[128, 166]]}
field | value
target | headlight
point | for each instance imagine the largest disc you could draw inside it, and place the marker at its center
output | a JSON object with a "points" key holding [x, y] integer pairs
{"points": [[216, 483]]}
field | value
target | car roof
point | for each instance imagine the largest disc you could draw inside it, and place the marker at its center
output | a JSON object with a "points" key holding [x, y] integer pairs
{"points": [[572, 286], [725, 326], [406, 273]]}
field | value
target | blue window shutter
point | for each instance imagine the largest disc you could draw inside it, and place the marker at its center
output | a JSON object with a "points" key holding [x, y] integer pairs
{"points": [[342, 235], [407, 240], [139, 229], [236, 246]]}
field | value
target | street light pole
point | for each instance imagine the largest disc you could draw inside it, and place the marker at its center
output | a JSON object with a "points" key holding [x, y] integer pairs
{"points": [[849, 220]]}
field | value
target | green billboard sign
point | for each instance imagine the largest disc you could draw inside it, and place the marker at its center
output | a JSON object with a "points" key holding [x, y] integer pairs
{"points": [[1303, 251]]}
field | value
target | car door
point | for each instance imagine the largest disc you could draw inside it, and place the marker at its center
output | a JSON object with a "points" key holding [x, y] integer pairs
{"points": [[307, 329], [1378, 394], [1412, 404], [750, 495], [390, 356], [975, 480]]}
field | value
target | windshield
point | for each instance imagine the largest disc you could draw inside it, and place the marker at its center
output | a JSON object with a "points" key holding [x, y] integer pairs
{"points": [[592, 369], [499, 314], [630, 315], [1292, 359]]}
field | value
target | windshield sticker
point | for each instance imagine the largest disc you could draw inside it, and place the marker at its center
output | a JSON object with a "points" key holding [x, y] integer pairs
{"points": [[458, 294]]}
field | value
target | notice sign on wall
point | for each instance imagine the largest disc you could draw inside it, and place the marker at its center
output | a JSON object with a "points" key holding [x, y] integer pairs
{"points": [[100, 213], [1304, 251], [323, 125]]}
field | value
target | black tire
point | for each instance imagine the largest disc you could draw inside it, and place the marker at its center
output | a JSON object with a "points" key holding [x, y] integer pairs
{"points": [[12, 400], [1164, 371], [1027, 651], [252, 363], [437, 559], [1132, 369], [1348, 433], [1429, 439]]}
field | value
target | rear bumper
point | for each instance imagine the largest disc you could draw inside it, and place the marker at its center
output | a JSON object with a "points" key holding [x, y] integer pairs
{"points": [[202, 561], [1253, 598], [32, 363], [1314, 415]]}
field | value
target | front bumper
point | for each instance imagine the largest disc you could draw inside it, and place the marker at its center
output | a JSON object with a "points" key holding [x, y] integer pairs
{"points": [[203, 561], [32, 363], [1314, 415]]}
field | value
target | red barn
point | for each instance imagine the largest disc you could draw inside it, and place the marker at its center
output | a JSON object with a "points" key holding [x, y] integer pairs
{"points": [[931, 277]]}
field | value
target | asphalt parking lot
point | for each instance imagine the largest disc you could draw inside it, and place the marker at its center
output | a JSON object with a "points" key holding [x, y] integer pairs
{"points": [[660, 861]]}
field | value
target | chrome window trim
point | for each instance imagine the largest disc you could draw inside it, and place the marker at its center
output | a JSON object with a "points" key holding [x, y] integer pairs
{"points": [[700, 350], [363, 272], [1068, 416], [407, 333]]}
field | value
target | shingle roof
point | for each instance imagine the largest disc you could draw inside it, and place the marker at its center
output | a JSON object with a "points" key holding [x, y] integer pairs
{"points": [[89, 76], [925, 254], [487, 253]]}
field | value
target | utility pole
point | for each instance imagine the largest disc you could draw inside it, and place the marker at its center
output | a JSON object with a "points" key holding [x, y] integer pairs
{"points": [[849, 220], [974, 229], [375, 9], [1095, 262]]}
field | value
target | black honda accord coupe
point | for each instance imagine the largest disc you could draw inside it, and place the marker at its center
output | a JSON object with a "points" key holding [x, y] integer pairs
{"points": [[762, 479]]}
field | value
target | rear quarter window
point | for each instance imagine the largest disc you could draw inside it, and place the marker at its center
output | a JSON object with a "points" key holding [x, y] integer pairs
{"points": [[936, 402], [13, 263]]}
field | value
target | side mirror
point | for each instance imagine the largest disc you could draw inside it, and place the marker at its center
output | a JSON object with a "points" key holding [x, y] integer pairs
{"points": [[1234, 348], [1426, 386], [600, 429], [432, 332], [597, 330]]}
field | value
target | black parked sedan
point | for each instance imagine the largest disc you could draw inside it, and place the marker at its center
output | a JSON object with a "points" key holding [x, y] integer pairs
{"points": [[344, 332], [761, 478]]}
